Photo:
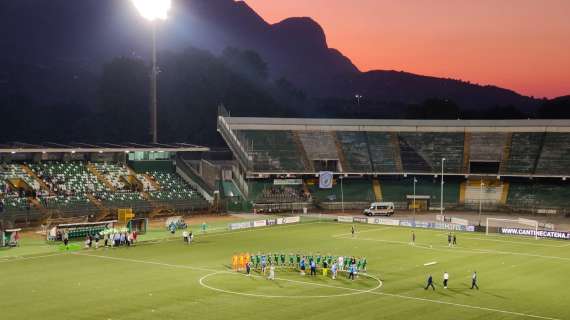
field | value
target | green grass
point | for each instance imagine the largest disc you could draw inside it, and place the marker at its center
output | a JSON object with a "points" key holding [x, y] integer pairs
{"points": [[519, 278]]}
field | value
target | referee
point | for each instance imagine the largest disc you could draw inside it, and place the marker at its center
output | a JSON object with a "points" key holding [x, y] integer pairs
{"points": [[474, 280]]}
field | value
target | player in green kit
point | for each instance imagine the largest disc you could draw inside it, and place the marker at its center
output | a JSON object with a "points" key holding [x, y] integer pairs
{"points": [[346, 262], [282, 259], [298, 259], [318, 259], [269, 259], [257, 260], [364, 264], [291, 260], [359, 264], [276, 257]]}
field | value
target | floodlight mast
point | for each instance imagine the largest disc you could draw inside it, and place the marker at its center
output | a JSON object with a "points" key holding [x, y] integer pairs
{"points": [[153, 10]]}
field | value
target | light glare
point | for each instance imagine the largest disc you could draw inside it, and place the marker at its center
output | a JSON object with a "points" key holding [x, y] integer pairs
{"points": [[153, 9]]}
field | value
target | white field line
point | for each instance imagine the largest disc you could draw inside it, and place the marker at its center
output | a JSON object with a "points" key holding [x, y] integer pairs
{"points": [[21, 258], [354, 291], [230, 232], [447, 249], [520, 314], [167, 239], [359, 232], [522, 243]]}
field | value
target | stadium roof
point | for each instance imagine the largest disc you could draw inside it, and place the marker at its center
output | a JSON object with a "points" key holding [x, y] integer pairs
{"points": [[52, 147], [397, 125]]}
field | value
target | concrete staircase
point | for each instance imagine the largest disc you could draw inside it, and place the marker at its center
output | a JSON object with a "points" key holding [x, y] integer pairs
{"points": [[397, 157], [100, 177], [104, 212], [377, 189], [506, 153], [33, 175], [466, 151], [299, 144], [36, 204], [340, 152], [153, 182]]}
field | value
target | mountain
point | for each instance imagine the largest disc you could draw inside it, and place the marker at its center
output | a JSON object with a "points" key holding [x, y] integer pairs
{"points": [[67, 41]]}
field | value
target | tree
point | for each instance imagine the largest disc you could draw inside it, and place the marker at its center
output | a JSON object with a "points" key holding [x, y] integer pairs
{"points": [[555, 108], [123, 112], [246, 62], [434, 109]]}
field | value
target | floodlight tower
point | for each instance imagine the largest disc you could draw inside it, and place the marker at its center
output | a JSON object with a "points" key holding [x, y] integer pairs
{"points": [[153, 10]]}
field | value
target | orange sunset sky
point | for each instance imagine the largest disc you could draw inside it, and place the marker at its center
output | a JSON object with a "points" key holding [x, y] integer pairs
{"points": [[522, 45]]}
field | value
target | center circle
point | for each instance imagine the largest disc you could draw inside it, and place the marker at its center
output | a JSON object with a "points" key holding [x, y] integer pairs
{"points": [[296, 296]]}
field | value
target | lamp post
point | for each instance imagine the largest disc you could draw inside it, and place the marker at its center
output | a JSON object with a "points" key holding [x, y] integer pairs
{"points": [[153, 10], [480, 199], [414, 201], [441, 196], [358, 97], [341, 194]]}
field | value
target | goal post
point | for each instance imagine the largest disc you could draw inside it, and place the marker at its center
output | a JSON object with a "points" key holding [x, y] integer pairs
{"points": [[518, 226]]}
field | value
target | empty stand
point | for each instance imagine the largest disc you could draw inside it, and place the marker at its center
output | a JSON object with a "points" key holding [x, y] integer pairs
{"points": [[319, 146], [355, 149], [383, 152], [422, 152], [524, 152], [555, 154], [273, 150]]}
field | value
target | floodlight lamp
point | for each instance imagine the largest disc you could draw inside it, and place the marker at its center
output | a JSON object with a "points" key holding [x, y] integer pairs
{"points": [[153, 9]]}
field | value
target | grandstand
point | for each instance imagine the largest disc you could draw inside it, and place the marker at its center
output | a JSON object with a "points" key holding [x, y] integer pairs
{"points": [[521, 164], [39, 183]]}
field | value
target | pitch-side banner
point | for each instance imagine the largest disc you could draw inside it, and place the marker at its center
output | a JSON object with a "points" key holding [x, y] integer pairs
{"points": [[288, 220], [292, 219], [325, 180], [259, 223], [384, 221], [345, 219], [240, 225], [460, 221], [540, 233]]}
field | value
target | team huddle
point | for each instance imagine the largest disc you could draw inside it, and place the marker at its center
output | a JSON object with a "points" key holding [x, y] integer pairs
{"points": [[313, 263]]}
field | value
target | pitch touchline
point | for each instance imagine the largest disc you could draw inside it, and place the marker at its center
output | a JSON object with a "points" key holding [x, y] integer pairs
{"points": [[464, 249], [20, 258], [372, 292], [160, 240]]}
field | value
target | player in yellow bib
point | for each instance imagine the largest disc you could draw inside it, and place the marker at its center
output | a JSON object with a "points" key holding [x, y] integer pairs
{"points": [[241, 261], [235, 262]]}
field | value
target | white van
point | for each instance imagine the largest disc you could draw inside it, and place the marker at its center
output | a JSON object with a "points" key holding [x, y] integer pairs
{"points": [[380, 209]]}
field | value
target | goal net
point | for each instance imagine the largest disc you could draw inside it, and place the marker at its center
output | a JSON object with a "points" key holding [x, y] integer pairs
{"points": [[520, 226]]}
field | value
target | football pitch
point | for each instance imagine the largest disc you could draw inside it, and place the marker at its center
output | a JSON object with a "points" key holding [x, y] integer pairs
{"points": [[519, 278]]}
